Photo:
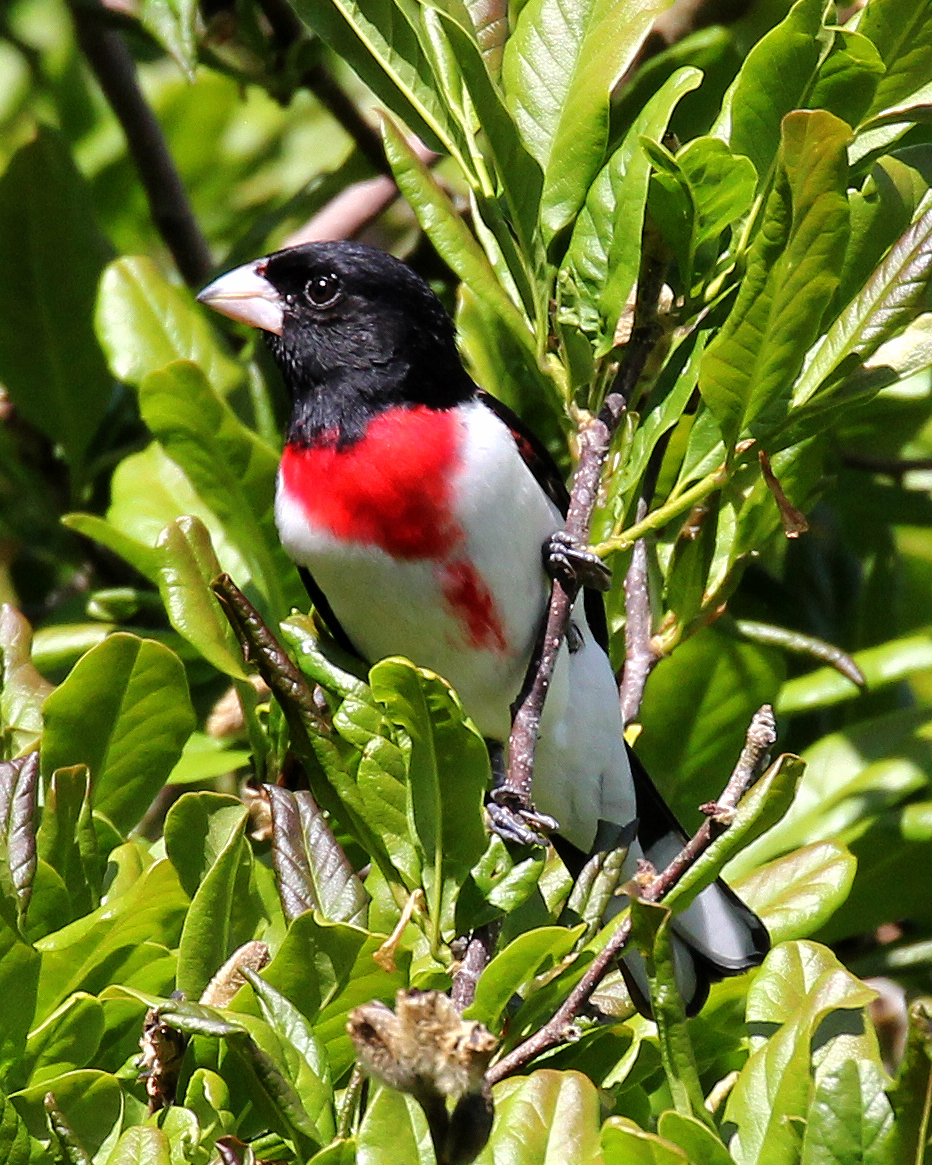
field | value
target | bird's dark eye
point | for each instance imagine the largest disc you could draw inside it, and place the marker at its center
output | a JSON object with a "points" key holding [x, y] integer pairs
{"points": [[322, 290]]}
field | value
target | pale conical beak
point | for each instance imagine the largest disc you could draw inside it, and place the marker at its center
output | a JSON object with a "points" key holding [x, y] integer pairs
{"points": [[244, 294]]}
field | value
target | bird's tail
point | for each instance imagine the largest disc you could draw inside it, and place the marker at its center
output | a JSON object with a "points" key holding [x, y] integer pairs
{"points": [[716, 936]]}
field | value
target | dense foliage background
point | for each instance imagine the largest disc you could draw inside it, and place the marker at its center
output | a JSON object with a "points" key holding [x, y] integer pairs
{"points": [[776, 162]]}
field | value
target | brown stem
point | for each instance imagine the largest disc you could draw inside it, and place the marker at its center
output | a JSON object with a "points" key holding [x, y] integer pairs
{"points": [[640, 656], [594, 440], [478, 953], [345, 215], [761, 735], [115, 70], [288, 30], [266, 653]]}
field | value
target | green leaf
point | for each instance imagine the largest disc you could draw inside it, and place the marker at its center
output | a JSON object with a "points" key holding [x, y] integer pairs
{"points": [[650, 930], [91, 1102], [17, 1147], [22, 688], [275, 1094], [889, 300], [792, 273], [449, 234], [775, 78], [514, 968], [904, 40], [603, 257], [345, 976], [848, 77], [798, 986], [206, 757], [796, 894], [187, 566], [758, 810], [146, 323], [124, 711], [850, 777], [625, 1143], [172, 23], [50, 362], [884, 207], [518, 175], [148, 492], [561, 63], [312, 1080], [394, 1129], [67, 839], [380, 40], [850, 1120], [19, 978], [696, 1140], [709, 688], [912, 1093], [448, 767], [114, 942], [67, 1040], [204, 837], [143, 1145], [231, 468], [721, 183], [375, 789], [547, 1117], [888, 663]]}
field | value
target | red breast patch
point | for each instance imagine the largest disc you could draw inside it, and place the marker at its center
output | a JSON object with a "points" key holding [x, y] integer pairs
{"points": [[392, 489], [467, 594], [389, 489]]}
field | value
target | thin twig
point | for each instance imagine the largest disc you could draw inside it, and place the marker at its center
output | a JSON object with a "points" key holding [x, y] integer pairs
{"points": [[640, 656], [271, 660], [802, 644], [594, 441], [115, 70], [288, 30], [478, 953], [761, 735], [895, 467]]}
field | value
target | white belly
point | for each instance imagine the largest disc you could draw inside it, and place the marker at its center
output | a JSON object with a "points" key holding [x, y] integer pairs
{"points": [[389, 606]]}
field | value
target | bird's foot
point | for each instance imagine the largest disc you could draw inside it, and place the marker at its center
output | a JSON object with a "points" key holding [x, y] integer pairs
{"points": [[513, 821], [573, 565]]}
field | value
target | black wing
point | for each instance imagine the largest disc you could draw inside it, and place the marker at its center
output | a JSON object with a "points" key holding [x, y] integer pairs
{"points": [[536, 457], [325, 611]]}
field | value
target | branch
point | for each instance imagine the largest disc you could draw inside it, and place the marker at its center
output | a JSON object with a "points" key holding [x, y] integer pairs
{"points": [[288, 30], [115, 70], [594, 440], [345, 215], [760, 737], [895, 467], [271, 660], [478, 953], [640, 655]]}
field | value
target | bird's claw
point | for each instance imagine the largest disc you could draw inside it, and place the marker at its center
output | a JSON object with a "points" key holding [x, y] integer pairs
{"points": [[573, 565], [514, 823]]}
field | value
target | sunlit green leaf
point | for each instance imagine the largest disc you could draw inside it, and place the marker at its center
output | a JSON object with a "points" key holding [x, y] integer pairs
{"points": [[561, 63], [146, 323], [792, 274], [545, 1117], [124, 711], [794, 895]]}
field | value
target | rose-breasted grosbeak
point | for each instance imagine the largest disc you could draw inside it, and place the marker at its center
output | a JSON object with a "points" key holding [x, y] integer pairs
{"points": [[418, 508]]}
